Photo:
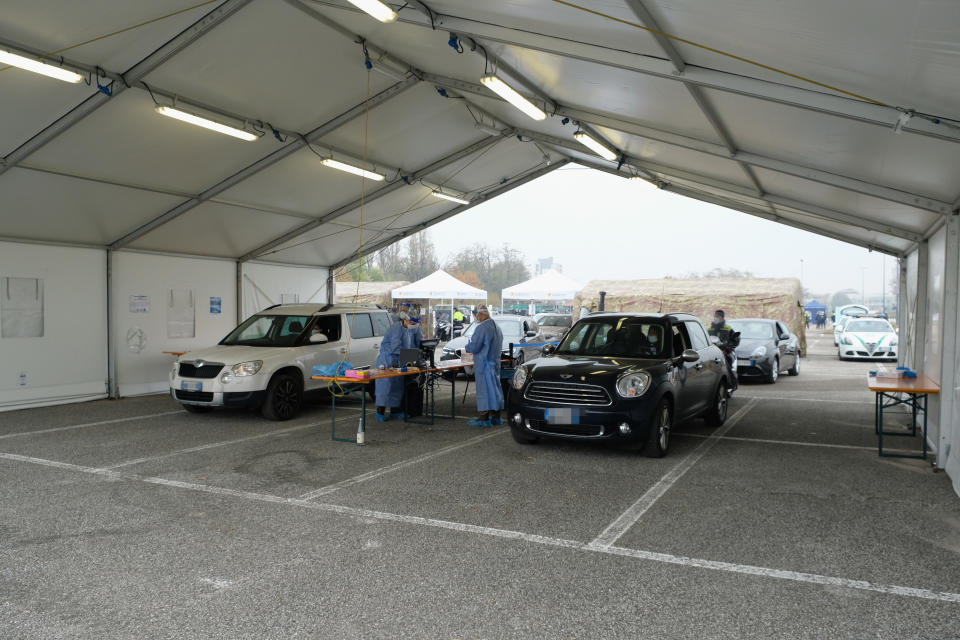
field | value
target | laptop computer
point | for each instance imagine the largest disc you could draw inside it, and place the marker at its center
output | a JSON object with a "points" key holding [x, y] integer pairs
{"points": [[409, 357]]}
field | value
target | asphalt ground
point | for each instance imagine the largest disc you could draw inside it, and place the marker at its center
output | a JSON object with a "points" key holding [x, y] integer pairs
{"points": [[134, 519]]}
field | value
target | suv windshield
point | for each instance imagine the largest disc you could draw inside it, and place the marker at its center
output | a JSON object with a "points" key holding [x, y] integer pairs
{"points": [[616, 337], [752, 330], [555, 321], [267, 331]]}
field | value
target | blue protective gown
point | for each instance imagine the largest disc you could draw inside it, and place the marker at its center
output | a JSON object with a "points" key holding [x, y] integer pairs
{"points": [[390, 390], [412, 337], [486, 344]]}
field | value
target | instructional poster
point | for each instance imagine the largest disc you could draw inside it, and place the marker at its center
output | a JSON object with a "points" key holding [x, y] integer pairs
{"points": [[139, 304], [181, 322], [21, 308], [215, 304]]}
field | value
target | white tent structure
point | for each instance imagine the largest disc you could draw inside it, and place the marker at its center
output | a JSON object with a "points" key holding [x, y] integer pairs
{"points": [[439, 285], [549, 285], [124, 233]]}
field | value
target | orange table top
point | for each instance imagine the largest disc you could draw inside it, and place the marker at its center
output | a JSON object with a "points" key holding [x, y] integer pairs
{"points": [[921, 384], [392, 374], [176, 353]]}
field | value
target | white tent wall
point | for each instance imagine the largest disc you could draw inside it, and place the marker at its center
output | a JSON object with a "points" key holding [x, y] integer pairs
{"points": [[265, 285], [948, 447], [153, 297], [68, 362], [933, 343]]}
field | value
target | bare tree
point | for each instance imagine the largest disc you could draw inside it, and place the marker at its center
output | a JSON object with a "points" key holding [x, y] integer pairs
{"points": [[390, 261], [421, 258]]}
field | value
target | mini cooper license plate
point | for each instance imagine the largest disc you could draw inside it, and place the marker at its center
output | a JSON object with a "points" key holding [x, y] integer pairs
{"points": [[562, 416], [191, 386]]}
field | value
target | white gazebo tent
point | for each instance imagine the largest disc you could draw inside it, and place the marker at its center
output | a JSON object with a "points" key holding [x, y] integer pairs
{"points": [[439, 285], [549, 285]]}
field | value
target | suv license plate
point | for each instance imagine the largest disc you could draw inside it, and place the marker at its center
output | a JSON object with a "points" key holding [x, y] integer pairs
{"points": [[191, 386]]}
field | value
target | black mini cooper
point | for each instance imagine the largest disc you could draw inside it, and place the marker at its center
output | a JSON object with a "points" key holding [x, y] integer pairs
{"points": [[621, 377]]}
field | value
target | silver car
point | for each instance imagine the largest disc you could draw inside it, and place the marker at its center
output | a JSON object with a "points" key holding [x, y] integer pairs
{"points": [[517, 330]]}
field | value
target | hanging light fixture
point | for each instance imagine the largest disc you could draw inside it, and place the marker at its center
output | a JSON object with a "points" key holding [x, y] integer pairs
{"points": [[594, 145], [375, 8], [349, 168], [36, 66], [510, 94], [206, 123], [447, 196]]}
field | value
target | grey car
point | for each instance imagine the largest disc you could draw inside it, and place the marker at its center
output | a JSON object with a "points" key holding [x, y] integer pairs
{"points": [[766, 348], [554, 325], [516, 329]]}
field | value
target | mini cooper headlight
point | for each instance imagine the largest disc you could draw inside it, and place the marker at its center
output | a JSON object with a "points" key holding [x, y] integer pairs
{"points": [[519, 378], [246, 368], [634, 385], [759, 352]]}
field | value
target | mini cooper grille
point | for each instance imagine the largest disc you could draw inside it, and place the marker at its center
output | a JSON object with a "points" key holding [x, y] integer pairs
{"points": [[189, 370], [582, 430], [568, 393]]}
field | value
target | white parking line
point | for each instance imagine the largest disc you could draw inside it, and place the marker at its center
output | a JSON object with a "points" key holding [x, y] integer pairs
{"points": [[90, 424], [805, 399], [214, 445], [665, 558], [376, 473], [628, 518], [793, 442]]}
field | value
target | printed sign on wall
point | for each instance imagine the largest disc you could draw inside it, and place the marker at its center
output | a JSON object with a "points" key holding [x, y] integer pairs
{"points": [[215, 304]]}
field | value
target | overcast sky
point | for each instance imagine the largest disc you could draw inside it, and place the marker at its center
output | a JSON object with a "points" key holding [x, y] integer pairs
{"points": [[600, 226]]}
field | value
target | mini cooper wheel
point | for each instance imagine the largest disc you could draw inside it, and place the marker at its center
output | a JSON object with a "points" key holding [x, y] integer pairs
{"points": [[717, 413], [284, 396], [658, 440]]}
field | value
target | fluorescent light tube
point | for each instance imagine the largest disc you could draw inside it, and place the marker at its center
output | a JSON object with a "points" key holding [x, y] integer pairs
{"points": [[349, 168], [509, 94], [49, 70], [446, 196], [190, 118], [595, 146], [375, 8]]}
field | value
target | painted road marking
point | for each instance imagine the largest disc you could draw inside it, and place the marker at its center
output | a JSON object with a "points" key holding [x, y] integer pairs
{"points": [[376, 473], [628, 518], [793, 442], [90, 424], [366, 514]]}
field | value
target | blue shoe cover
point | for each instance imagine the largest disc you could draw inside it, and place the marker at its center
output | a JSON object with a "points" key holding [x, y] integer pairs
{"points": [[380, 417], [480, 423]]}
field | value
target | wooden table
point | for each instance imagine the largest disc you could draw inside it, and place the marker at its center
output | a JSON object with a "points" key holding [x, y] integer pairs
{"points": [[176, 353], [914, 392]]}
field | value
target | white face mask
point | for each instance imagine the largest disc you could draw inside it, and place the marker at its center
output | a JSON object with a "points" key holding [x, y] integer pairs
{"points": [[717, 320]]}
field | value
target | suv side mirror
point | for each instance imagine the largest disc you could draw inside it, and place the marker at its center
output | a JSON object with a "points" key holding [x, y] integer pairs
{"points": [[689, 355], [531, 334], [318, 338]]}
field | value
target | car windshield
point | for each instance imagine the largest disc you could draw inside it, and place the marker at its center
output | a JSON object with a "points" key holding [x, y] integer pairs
{"points": [[555, 321], [869, 326], [267, 331], [752, 330], [509, 328], [623, 337]]}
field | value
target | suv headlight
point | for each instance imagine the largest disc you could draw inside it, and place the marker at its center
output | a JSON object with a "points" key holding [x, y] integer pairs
{"points": [[759, 352], [519, 378], [246, 368], [634, 385]]}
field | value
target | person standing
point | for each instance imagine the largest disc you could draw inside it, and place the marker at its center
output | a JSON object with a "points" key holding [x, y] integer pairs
{"points": [[413, 336], [389, 391], [486, 345]]}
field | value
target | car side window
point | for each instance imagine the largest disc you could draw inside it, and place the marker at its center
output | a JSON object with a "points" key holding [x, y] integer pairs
{"points": [[381, 323], [328, 326], [360, 325], [681, 341], [782, 332], [697, 336]]}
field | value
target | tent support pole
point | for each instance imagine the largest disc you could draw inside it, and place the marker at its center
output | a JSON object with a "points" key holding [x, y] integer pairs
{"points": [[112, 386], [948, 318], [331, 287]]}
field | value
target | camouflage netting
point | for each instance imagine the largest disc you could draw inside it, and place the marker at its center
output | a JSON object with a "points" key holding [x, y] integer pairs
{"points": [[370, 292], [775, 298]]}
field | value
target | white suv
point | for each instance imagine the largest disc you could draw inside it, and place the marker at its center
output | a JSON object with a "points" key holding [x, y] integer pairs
{"points": [[266, 362]]}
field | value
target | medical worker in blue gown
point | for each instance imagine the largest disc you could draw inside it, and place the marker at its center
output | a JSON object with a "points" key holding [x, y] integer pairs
{"points": [[390, 390], [486, 345]]}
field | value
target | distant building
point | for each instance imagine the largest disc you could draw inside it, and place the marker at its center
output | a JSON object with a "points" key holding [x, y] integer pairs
{"points": [[545, 264]]}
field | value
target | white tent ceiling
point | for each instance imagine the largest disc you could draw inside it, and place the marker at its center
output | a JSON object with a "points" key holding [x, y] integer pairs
{"points": [[82, 167]]}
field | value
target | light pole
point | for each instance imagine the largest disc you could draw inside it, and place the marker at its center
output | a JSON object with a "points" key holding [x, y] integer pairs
{"points": [[803, 297], [883, 294]]}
